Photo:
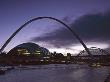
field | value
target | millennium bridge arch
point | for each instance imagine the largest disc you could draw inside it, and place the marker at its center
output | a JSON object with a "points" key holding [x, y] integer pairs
{"points": [[38, 18]]}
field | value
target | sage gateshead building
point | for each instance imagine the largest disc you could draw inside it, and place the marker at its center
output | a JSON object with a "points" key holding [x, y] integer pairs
{"points": [[29, 49]]}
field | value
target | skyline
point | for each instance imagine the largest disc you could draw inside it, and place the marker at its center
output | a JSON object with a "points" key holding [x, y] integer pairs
{"points": [[73, 12]]}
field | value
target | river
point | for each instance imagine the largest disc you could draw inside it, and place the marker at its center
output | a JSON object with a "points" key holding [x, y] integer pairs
{"points": [[56, 73]]}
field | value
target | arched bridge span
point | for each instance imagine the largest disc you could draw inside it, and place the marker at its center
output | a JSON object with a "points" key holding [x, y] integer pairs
{"points": [[38, 18]]}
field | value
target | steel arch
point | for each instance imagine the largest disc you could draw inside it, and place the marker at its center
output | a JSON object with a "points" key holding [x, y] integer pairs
{"points": [[34, 19]]}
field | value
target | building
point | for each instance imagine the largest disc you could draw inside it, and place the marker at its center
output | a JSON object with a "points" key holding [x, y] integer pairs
{"points": [[29, 49]]}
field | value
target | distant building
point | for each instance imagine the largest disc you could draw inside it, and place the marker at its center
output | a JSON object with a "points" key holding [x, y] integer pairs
{"points": [[29, 49], [68, 56]]}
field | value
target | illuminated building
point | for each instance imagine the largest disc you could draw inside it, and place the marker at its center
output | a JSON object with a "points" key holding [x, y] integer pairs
{"points": [[29, 49]]}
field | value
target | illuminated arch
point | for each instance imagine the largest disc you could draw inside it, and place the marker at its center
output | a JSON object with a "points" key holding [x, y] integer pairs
{"points": [[34, 19]]}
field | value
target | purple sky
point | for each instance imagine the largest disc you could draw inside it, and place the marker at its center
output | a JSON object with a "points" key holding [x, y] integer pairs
{"points": [[13, 13]]}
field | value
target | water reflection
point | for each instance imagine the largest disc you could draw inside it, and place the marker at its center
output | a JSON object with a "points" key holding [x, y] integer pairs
{"points": [[56, 73]]}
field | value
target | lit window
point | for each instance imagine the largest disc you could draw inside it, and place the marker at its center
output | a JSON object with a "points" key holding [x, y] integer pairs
{"points": [[37, 53], [22, 51]]}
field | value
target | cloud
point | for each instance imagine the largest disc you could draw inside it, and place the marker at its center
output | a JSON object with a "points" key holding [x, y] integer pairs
{"points": [[59, 38], [93, 26], [90, 27]]}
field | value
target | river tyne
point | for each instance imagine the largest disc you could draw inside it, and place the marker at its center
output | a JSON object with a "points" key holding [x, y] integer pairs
{"points": [[56, 73]]}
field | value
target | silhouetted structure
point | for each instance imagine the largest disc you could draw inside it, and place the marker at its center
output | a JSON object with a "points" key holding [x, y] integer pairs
{"points": [[28, 54], [28, 49], [94, 51], [34, 19]]}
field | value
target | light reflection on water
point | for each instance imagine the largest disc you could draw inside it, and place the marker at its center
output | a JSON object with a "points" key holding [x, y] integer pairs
{"points": [[56, 73]]}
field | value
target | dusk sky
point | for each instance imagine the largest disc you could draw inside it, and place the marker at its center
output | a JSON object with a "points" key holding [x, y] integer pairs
{"points": [[88, 18]]}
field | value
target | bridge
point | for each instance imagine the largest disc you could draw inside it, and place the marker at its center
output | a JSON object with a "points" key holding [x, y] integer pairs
{"points": [[85, 56], [99, 56]]}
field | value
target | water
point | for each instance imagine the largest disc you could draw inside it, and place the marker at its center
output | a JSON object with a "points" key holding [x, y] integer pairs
{"points": [[56, 73]]}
